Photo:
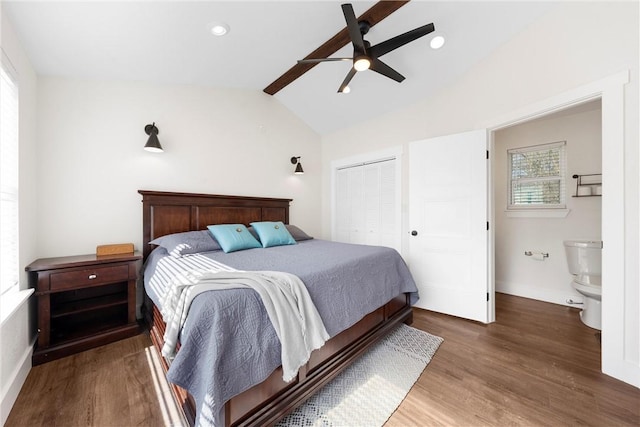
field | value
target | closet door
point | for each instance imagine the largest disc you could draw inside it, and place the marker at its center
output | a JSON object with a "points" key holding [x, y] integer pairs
{"points": [[342, 219], [371, 199], [355, 182], [389, 225], [366, 204]]}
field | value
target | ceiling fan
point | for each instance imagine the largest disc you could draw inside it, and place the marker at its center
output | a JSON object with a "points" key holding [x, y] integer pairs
{"points": [[366, 56]]}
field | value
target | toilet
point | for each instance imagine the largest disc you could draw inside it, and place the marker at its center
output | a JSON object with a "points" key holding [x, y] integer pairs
{"points": [[584, 259]]}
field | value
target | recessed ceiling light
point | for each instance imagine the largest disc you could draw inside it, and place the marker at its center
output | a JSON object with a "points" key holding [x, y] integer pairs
{"points": [[437, 42], [219, 29]]}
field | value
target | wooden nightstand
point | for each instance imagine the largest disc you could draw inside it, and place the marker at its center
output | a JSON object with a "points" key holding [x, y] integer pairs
{"points": [[84, 301]]}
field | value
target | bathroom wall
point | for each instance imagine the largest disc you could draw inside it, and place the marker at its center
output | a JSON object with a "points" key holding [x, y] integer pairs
{"points": [[547, 280]]}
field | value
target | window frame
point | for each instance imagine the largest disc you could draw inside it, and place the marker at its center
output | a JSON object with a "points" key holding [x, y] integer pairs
{"points": [[561, 145], [11, 193]]}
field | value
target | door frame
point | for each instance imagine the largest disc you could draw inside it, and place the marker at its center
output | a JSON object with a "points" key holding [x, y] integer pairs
{"points": [[611, 91]]}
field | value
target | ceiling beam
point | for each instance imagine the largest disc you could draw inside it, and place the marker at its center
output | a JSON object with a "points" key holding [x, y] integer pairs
{"points": [[375, 14]]}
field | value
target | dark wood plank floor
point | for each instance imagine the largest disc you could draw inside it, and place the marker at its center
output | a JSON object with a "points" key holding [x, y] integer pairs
{"points": [[116, 385], [536, 365]]}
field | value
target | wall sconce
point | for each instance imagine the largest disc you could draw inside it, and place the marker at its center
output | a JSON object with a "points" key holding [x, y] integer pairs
{"points": [[152, 145], [296, 161]]}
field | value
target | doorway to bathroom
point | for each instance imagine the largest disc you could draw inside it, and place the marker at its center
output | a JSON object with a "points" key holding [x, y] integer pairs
{"points": [[529, 252], [619, 312], [618, 339]]}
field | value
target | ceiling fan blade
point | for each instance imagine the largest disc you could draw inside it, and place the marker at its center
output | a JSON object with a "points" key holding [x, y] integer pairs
{"points": [[345, 83], [353, 27], [382, 68], [397, 41], [374, 15], [315, 61]]}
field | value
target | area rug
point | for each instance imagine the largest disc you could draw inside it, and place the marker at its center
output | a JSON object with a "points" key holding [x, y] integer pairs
{"points": [[370, 390]]}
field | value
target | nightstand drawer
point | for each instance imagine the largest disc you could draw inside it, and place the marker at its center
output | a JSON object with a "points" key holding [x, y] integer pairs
{"points": [[88, 276]]}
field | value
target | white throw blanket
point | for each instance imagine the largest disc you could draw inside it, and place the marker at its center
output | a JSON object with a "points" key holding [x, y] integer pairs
{"points": [[285, 297]]}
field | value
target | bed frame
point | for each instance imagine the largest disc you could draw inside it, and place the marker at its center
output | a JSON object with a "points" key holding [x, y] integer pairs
{"points": [[267, 402]]}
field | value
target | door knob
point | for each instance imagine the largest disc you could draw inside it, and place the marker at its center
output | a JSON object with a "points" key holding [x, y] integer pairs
{"points": [[414, 233]]}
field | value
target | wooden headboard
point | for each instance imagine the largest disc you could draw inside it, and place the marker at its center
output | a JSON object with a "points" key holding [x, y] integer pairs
{"points": [[166, 212]]}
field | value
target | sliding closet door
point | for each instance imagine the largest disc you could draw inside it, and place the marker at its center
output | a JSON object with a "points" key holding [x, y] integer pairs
{"points": [[389, 227], [366, 204]]}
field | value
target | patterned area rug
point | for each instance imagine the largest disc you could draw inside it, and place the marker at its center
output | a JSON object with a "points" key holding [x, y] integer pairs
{"points": [[370, 390]]}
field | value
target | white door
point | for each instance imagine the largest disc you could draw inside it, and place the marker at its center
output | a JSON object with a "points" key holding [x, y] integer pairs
{"points": [[448, 245], [366, 204]]}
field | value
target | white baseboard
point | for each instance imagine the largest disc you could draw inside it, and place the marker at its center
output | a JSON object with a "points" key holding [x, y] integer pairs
{"points": [[18, 377], [540, 294]]}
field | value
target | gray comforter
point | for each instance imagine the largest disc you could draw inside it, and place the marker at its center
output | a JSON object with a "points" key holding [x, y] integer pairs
{"points": [[228, 343]]}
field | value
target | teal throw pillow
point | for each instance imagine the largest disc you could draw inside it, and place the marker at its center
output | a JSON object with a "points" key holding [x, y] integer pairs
{"points": [[273, 233], [233, 237]]}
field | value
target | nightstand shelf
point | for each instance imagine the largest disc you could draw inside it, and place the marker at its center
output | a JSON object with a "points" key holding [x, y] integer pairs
{"points": [[67, 331], [83, 302], [75, 307]]}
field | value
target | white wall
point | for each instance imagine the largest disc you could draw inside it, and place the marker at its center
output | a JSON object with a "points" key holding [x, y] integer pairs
{"points": [[217, 141], [80, 172], [557, 53], [17, 332], [521, 275]]}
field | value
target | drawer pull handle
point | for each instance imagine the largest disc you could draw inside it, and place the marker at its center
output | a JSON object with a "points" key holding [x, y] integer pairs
{"points": [[92, 276]]}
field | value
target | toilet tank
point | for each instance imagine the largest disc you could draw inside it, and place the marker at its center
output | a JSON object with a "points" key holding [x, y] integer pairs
{"points": [[584, 258]]}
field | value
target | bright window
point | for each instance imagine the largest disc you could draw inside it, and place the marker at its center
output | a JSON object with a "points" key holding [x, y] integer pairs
{"points": [[9, 269], [537, 176]]}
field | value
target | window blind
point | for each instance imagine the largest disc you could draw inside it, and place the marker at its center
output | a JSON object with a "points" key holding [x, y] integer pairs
{"points": [[9, 269], [537, 176]]}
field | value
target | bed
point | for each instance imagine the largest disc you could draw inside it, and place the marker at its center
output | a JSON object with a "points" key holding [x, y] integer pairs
{"points": [[168, 213]]}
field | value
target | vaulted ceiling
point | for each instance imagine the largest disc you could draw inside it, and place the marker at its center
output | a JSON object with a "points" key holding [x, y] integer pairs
{"points": [[170, 42]]}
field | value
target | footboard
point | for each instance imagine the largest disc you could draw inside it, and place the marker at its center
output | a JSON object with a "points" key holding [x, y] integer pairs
{"points": [[270, 400]]}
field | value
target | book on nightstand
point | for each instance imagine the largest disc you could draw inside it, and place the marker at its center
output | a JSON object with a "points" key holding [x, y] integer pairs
{"points": [[116, 249]]}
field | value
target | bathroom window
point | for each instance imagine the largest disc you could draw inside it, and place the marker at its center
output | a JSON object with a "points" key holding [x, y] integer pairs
{"points": [[537, 176]]}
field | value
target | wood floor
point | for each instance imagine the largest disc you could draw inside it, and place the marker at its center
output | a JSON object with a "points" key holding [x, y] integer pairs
{"points": [[536, 365]]}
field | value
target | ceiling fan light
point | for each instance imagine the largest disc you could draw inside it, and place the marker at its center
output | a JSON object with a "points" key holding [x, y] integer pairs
{"points": [[362, 63]]}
